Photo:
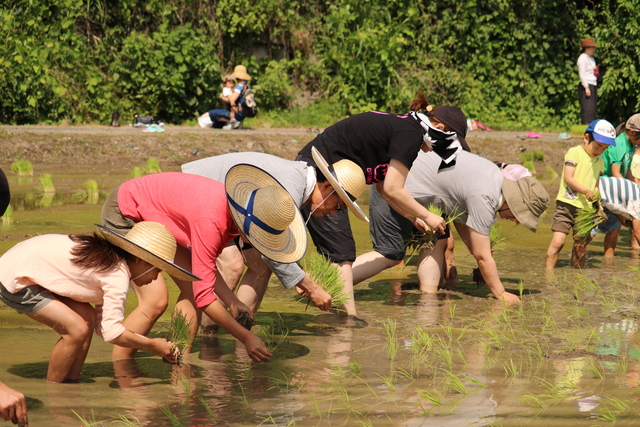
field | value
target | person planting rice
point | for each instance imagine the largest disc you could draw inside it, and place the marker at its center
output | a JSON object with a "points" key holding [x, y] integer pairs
{"points": [[384, 146], [55, 278], [578, 190], [474, 191], [327, 190], [621, 198], [195, 209]]}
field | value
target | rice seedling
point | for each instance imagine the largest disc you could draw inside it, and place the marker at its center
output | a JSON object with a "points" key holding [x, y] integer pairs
{"points": [[538, 156], [153, 166], [391, 334], [510, 369], [455, 383], [243, 399], [526, 157], [91, 422], [206, 407], [22, 167], [596, 369], [327, 276], [612, 409], [587, 219], [166, 411], [529, 165], [180, 332], [124, 420], [433, 396], [7, 218], [273, 331], [426, 241], [137, 172], [355, 367], [533, 400], [552, 172], [389, 380], [93, 194], [284, 384], [46, 184]]}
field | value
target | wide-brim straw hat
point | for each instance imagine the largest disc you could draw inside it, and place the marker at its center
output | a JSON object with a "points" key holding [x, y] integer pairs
{"points": [[151, 242], [527, 200], [346, 178], [265, 214], [588, 42], [240, 72]]}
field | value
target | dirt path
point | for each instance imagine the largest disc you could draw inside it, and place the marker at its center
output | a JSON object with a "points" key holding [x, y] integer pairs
{"points": [[92, 145]]}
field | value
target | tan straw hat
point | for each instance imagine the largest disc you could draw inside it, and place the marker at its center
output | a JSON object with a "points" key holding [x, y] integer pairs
{"points": [[588, 42], [151, 242], [527, 200], [346, 178], [265, 213], [240, 72]]}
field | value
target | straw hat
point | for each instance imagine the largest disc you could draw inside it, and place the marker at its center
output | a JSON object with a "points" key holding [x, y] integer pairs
{"points": [[240, 72], [151, 242], [527, 200], [588, 42], [265, 213], [346, 178]]}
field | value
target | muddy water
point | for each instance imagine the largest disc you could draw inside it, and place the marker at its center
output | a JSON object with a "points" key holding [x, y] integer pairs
{"points": [[568, 355]]}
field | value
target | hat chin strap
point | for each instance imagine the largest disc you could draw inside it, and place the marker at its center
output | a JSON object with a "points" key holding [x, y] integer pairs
{"points": [[133, 279], [250, 218]]}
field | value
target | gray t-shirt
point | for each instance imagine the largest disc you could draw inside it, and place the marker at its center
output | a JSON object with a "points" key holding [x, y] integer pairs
{"points": [[291, 174], [472, 186]]}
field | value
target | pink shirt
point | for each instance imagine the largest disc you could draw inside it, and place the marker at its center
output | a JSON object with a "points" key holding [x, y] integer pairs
{"points": [[46, 261], [195, 211]]}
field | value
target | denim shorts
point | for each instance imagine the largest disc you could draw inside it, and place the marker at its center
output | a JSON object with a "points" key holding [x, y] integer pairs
{"points": [[611, 224], [29, 300]]}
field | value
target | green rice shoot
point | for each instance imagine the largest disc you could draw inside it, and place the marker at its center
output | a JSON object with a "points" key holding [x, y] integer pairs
{"points": [[427, 241], [180, 331], [153, 166], [46, 183], [137, 172], [7, 218], [529, 165], [496, 236], [22, 167], [327, 276], [587, 219], [93, 194]]}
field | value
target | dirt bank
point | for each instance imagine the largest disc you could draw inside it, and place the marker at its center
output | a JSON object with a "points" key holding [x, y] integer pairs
{"points": [[92, 145]]}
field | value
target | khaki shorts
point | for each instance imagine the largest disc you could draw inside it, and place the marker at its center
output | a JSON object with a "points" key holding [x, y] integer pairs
{"points": [[111, 215], [29, 300], [564, 217]]}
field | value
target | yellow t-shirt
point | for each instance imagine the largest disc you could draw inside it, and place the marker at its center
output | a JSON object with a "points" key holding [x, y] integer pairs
{"points": [[587, 173]]}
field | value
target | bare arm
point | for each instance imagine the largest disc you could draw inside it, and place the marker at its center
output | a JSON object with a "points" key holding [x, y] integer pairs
{"points": [[307, 287], [158, 346], [393, 192], [480, 247], [256, 349], [569, 171], [236, 306]]}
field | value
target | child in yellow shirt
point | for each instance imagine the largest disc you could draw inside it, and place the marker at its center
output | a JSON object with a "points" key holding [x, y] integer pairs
{"points": [[578, 188]]}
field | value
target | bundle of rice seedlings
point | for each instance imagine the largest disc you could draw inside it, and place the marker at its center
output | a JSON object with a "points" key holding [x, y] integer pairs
{"points": [[153, 166], [327, 276], [136, 172], [179, 332], [22, 167], [427, 241], [93, 194], [587, 219], [273, 331], [46, 183], [495, 238], [7, 218]]}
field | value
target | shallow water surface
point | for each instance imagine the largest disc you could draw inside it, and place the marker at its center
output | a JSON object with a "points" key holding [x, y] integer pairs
{"points": [[567, 355]]}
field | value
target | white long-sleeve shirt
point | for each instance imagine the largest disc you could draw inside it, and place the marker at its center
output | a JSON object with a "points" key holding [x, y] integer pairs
{"points": [[586, 73]]}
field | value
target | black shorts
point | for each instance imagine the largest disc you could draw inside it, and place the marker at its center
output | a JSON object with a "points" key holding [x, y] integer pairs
{"points": [[332, 235]]}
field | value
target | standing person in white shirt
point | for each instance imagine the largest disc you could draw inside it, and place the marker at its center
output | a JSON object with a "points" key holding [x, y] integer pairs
{"points": [[588, 88]]}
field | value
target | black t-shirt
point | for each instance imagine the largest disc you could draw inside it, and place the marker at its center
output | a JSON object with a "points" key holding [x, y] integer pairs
{"points": [[371, 140]]}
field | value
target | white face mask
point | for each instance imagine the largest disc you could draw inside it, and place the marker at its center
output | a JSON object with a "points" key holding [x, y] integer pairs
{"points": [[142, 274]]}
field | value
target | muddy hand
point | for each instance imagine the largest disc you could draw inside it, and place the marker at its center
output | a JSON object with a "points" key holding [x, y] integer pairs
{"points": [[509, 297], [167, 350], [256, 349]]}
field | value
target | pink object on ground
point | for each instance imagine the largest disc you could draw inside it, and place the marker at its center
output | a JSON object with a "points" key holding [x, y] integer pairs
{"points": [[483, 127], [533, 135]]}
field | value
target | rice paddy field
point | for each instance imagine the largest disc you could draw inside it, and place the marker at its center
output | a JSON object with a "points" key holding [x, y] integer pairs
{"points": [[568, 355]]}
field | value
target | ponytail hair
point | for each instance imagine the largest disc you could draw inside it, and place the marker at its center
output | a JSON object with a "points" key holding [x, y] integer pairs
{"points": [[95, 252], [420, 103]]}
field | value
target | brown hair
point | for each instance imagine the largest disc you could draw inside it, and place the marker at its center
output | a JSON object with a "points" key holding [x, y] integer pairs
{"points": [[420, 103], [96, 252]]}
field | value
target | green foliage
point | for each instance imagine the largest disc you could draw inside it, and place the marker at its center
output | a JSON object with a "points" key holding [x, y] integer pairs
{"points": [[509, 66]]}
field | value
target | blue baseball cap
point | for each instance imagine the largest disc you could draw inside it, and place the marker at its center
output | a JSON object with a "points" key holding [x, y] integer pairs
{"points": [[602, 131]]}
